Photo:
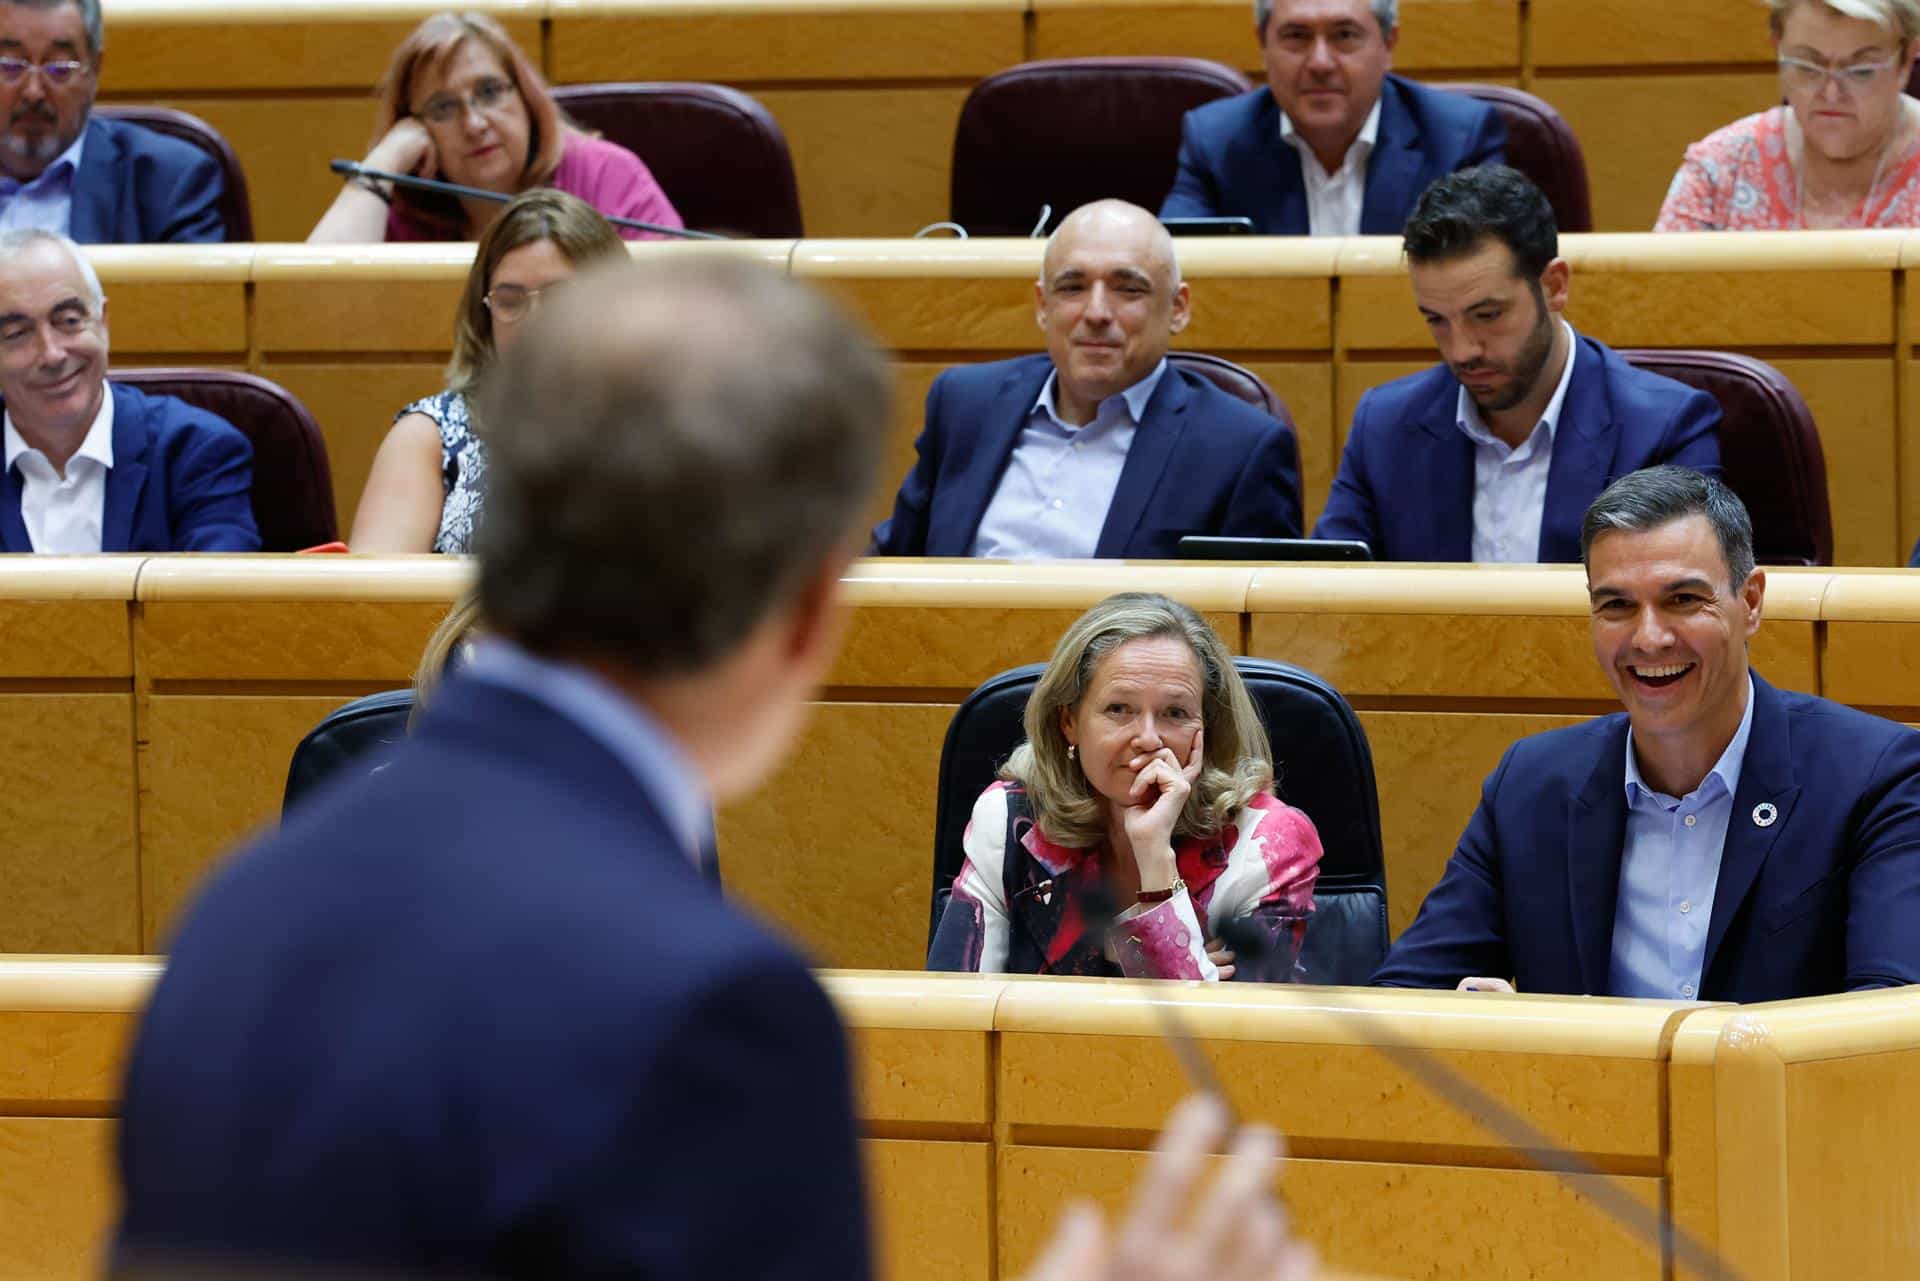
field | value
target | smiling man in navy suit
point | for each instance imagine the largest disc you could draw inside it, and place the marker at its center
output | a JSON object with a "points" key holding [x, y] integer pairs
{"points": [[1722, 840], [91, 466], [1334, 145], [64, 169], [1100, 447], [1494, 454]]}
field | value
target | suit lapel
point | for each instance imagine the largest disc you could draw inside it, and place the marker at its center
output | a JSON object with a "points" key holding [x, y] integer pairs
{"points": [[1443, 459], [1766, 776], [1582, 452], [1596, 837], [90, 220], [1154, 441], [999, 432], [13, 526], [1392, 169], [127, 478], [1279, 192]]}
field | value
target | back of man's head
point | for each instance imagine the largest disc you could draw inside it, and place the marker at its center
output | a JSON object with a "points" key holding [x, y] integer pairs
{"points": [[1457, 213], [675, 451]]}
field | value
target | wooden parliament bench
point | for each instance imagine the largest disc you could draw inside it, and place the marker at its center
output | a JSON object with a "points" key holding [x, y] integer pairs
{"points": [[183, 683], [869, 91], [986, 1104], [356, 333]]}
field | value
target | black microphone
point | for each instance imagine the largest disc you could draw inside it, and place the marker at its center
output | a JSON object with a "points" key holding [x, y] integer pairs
{"points": [[350, 169]]}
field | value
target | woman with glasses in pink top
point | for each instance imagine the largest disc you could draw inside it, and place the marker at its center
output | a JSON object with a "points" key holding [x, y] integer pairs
{"points": [[461, 103], [1845, 149]]}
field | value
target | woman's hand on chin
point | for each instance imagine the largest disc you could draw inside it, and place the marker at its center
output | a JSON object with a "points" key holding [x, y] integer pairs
{"points": [[1154, 804]]}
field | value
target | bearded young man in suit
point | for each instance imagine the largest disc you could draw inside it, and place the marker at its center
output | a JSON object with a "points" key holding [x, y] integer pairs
{"points": [[1101, 447], [1721, 840]]}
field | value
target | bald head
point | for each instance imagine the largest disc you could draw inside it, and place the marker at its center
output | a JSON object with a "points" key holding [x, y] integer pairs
{"points": [[674, 450], [1118, 221], [1109, 300]]}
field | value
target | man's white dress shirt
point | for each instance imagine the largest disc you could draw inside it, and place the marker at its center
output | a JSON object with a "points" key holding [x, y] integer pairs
{"points": [[1334, 200], [1510, 484], [65, 513]]}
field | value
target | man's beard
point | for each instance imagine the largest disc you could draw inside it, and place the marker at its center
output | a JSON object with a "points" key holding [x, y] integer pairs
{"points": [[1526, 368], [32, 152]]}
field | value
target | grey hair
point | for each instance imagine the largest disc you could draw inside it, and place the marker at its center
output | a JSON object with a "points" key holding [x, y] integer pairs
{"points": [[1387, 13], [1900, 18], [1652, 496], [89, 17], [17, 241]]}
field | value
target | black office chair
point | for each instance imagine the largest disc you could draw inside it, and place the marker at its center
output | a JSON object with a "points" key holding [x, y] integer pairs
{"points": [[353, 735], [1325, 768]]}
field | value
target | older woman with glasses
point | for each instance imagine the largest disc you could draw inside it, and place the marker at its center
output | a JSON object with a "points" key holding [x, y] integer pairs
{"points": [[1138, 818], [427, 485], [1845, 149], [461, 103]]}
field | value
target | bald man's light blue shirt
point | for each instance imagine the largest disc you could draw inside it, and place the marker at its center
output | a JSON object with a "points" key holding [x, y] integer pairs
{"points": [[46, 203]]}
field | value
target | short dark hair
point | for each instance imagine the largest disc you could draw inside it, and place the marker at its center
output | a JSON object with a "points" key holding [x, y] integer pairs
{"points": [[676, 449], [1653, 496], [1455, 214]]}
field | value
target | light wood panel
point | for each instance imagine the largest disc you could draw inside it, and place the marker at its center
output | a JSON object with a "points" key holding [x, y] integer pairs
{"points": [[869, 161], [56, 1196]]}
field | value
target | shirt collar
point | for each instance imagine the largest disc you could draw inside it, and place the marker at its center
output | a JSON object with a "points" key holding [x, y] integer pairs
{"points": [[616, 722], [1363, 143], [98, 444], [1727, 768], [1466, 414], [1136, 397], [64, 167]]}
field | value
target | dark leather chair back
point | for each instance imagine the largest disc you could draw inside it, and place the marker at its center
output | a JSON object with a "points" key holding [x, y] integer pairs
{"points": [[717, 153], [292, 482], [1770, 451], [349, 740], [236, 211], [1325, 768], [1236, 380], [1070, 130], [1541, 145]]}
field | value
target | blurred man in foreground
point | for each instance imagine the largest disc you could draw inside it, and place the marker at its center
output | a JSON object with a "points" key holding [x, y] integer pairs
{"points": [[480, 1014]]}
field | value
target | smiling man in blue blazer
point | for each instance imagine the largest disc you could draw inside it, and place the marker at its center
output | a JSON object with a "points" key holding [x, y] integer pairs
{"points": [[1722, 840], [1494, 454], [1334, 145], [1100, 447], [90, 466], [63, 168]]}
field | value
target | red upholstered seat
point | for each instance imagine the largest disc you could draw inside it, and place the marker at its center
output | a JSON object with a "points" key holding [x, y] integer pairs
{"points": [[1769, 450], [1235, 380], [235, 210], [717, 153], [1541, 145], [1070, 130], [292, 482]]}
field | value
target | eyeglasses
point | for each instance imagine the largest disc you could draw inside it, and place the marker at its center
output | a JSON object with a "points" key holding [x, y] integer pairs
{"points": [[14, 70], [511, 303], [1801, 74], [484, 96]]}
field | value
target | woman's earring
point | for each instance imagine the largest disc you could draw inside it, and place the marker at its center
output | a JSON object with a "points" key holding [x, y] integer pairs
{"points": [[1073, 750]]}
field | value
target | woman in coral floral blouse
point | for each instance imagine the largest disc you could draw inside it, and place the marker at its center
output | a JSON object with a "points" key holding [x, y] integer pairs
{"points": [[1143, 791], [1843, 152]]}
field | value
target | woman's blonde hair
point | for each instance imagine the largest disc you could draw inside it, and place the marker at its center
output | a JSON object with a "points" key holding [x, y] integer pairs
{"points": [[429, 48], [1238, 763], [576, 229], [435, 660], [1901, 18]]}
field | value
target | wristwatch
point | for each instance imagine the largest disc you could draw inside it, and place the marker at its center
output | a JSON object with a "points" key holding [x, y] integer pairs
{"points": [[1160, 896]]}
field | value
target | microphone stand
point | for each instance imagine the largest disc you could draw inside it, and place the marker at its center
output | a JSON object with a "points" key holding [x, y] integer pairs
{"points": [[350, 169]]}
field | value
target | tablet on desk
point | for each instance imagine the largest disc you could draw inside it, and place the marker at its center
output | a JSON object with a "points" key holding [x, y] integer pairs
{"points": [[1208, 226], [1209, 547]]}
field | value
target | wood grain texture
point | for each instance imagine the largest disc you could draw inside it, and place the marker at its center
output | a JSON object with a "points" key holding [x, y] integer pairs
{"points": [[1378, 1217], [192, 320], [57, 1198], [69, 881], [258, 640], [65, 639], [1306, 388], [869, 161], [212, 771], [845, 867], [957, 647], [908, 1076], [1851, 1173], [932, 1208], [356, 406], [61, 1063], [1873, 664], [1594, 33], [1853, 402]]}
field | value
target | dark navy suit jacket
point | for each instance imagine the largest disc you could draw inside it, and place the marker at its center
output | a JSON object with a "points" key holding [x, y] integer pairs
{"points": [[136, 186], [1234, 163], [478, 1015], [1405, 485], [182, 481], [1824, 899], [1201, 462]]}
